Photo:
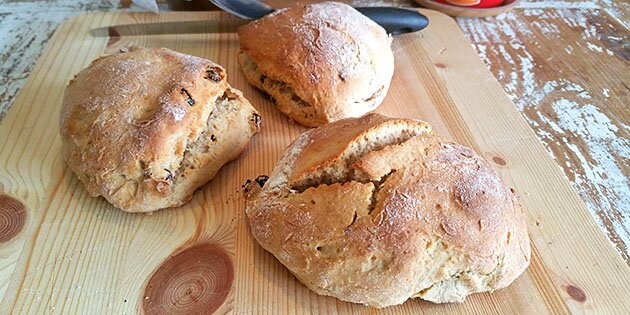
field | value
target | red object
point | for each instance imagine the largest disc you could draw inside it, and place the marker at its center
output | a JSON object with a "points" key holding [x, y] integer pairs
{"points": [[472, 3]]}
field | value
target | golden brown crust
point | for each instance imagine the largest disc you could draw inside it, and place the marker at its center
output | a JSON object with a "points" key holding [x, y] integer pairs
{"points": [[320, 62], [145, 128], [399, 213]]}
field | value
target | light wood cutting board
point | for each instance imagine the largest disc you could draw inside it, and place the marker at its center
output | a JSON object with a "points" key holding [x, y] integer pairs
{"points": [[62, 251]]}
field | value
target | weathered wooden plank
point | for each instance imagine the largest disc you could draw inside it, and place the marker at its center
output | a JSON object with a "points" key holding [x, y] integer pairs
{"points": [[567, 72]]}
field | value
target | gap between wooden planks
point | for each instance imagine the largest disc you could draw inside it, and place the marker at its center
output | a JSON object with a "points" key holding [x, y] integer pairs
{"points": [[77, 254]]}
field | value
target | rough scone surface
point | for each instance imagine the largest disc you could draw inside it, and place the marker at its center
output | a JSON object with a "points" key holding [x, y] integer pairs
{"points": [[144, 128], [375, 210], [318, 62]]}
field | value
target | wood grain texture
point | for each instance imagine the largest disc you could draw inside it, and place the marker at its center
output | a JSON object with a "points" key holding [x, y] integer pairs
{"points": [[12, 218], [194, 281], [77, 254]]}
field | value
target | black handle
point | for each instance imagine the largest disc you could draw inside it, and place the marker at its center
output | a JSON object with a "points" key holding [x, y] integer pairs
{"points": [[395, 20]]}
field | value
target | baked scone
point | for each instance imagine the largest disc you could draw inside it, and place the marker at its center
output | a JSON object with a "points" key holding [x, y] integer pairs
{"points": [[375, 210], [318, 62], [144, 128]]}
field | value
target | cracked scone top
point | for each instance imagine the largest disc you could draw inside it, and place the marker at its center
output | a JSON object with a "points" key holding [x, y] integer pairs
{"points": [[144, 128], [375, 210], [318, 62]]}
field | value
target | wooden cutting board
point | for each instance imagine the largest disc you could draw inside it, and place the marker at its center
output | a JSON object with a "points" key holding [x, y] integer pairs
{"points": [[62, 251]]}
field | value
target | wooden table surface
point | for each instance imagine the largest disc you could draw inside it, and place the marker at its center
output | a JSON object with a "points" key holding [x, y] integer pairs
{"points": [[563, 63]]}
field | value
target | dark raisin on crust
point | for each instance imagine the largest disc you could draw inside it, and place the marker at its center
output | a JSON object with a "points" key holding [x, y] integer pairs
{"points": [[246, 185], [213, 138], [189, 98], [261, 180], [263, 78], [169, 176], [213, 74], [256, 119], [296, 98]]}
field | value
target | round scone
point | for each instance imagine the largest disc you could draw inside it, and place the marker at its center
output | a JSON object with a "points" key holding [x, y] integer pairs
{"points": [[375, 210], [319, 62], [145, 128]]}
